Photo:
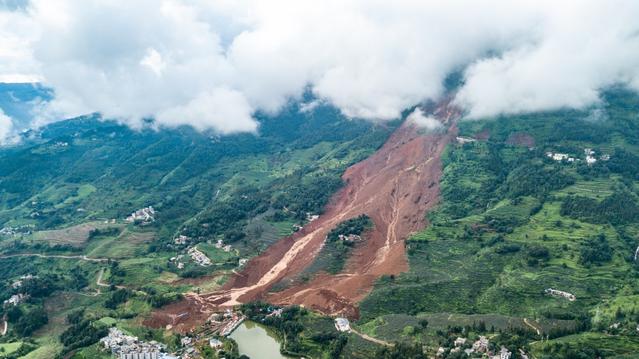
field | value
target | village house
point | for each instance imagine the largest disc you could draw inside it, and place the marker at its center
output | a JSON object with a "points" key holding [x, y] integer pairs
{"points": [[215, 343], [181, 239], [554, 292], [310, 217], [143, 216], [463, 140], [350, 237], [16, 299], [199, 257], [342, 325], [560, 157], [503, 354], [481, 345]]}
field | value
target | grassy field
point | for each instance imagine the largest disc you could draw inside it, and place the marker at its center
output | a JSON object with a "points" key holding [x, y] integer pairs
{"points": [[8, 348]]}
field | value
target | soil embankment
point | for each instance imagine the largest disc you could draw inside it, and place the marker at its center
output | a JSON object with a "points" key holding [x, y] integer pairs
{"points": [[395, 187]]}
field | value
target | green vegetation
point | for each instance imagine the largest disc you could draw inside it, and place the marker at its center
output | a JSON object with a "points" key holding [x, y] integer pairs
{"points": [[512, 223], [66, 189], [335, 251]]}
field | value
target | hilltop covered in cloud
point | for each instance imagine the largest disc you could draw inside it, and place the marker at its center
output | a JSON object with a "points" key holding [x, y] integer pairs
{"points": [[213, 64]]}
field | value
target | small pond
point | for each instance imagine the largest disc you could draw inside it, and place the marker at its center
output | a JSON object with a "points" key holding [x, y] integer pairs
{"points": [[257, 341]]}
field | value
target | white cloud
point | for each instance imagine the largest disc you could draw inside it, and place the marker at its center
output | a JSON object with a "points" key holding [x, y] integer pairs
{"points": [[225, 110], [6, 129], [429, 123], [191, 61]]}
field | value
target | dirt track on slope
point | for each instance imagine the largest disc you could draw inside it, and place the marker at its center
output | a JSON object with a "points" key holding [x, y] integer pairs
{"points": [[395, 187]]}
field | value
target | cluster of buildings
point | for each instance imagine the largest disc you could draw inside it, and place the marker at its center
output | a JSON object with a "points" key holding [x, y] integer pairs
{"points": [[142, 216], [18, 283], [349, 237], [225, 323], [590, 157], [16, 299], [310, 217], [14, 231], [181, 239], [177, 260], [225, 247], [199, 257], [19, 297], [479, 348], [7, 231], [560, 293], [124, 346]]}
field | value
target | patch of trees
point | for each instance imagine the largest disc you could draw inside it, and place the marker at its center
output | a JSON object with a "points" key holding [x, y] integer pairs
{"points": [[335, 342], [571, 351], [536, 179], [508, 248], [537, 255], [40, 287], [355, 226], [503, 224], [624, 163], [401, 350], [117, 297], [619, 208], [159, 300], [595, 251], [27, 320], [228, 217], [82, 332]]}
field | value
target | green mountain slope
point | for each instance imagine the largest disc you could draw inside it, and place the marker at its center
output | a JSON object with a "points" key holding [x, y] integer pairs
{"points": [[513, 223]]}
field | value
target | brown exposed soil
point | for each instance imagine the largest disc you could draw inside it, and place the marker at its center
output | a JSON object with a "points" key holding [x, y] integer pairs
{"points": [[394, 187]]}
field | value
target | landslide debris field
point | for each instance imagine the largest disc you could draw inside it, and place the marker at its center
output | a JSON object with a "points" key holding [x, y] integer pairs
{"points": [[394, 187]]}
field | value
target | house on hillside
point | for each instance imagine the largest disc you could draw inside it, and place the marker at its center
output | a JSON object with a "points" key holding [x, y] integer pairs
{"points": [[342, 325]]}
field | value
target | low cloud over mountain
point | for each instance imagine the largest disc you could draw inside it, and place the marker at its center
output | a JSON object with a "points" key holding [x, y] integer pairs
{"points": [[213, 64]]}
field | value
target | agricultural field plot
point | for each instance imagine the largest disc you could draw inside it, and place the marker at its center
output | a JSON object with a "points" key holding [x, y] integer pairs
{"points": [[76, 235], [125, 245], [597, 189], [8, 348], [617, 347]]}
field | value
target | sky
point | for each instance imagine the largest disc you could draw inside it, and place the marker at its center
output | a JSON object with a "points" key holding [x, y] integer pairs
{"points": [[213, 64]]}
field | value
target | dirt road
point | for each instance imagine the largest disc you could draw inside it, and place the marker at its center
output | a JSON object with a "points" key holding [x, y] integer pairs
{"points": [[371, 339]]}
